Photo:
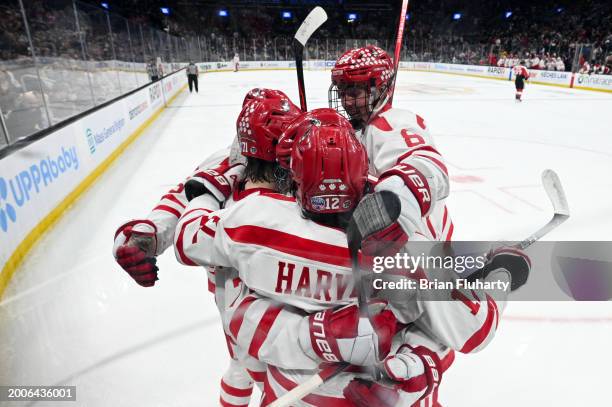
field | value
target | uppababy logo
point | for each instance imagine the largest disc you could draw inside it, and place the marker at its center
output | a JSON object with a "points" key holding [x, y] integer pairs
{"points": [[17, 191], [7, 211], [96, 138]]}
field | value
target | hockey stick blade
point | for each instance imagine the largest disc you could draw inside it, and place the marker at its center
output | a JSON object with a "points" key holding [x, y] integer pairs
{"points": [[556, 194], [311, 23], [554, 190]]}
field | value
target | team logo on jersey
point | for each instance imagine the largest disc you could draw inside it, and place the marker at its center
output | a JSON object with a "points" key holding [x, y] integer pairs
{"points": [[318, 203]]}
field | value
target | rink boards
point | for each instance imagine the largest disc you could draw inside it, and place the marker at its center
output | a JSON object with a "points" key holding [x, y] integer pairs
{"points": [[39, 182], [601, 83]]}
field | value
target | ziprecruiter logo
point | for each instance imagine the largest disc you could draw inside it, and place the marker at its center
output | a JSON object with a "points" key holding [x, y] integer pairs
{"points": [[7, 211]]}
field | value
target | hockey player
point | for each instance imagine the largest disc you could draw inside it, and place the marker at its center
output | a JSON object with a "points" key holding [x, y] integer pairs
{"points": [[139, 242], [401, 150], [521, 75], [236, 62], [302, 261]]}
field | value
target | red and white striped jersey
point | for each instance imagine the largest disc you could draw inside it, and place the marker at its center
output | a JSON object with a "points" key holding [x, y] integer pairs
{"points": [[292, 266], [237, 382], [521, 70], [166, 213], [397, 142]]}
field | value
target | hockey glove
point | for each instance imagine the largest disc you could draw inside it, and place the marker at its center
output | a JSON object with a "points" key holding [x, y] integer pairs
{"points": [[387, 242], [134, 250], [219, 182], [513, 260], [413, 372], [342, 335]]}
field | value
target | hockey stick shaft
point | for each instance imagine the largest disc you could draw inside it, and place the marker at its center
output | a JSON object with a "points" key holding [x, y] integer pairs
{"points": [[298, 50], [311, 23], [398, 47]]}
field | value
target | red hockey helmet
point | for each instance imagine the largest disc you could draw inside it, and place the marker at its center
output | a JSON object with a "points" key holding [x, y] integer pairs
{"points": [[260, 124], [264, 93], [300, 124], [369, 68], [329, 167]]}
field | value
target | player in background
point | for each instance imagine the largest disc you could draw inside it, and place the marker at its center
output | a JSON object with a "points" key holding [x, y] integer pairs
{"points": [[139, 242], [192, 76], [302, 261], [401, 150], [521, 74], [236, 62]]}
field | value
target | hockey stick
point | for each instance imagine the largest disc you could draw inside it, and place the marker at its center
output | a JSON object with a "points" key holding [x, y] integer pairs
{"points": [[311, 23], [398, 47], [556, 194], [375, 212]]}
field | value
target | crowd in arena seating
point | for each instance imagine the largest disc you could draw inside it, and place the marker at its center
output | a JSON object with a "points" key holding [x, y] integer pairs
{"points": [[72, 64], [74, 69]]}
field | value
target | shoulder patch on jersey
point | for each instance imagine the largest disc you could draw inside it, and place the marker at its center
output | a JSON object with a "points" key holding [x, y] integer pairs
{"points": [[381, 124]]}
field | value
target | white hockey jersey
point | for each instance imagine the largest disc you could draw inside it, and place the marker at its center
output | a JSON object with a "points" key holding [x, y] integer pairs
{"points": [[237, 382], [293, 266], [168, 210], [398, 143]]}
